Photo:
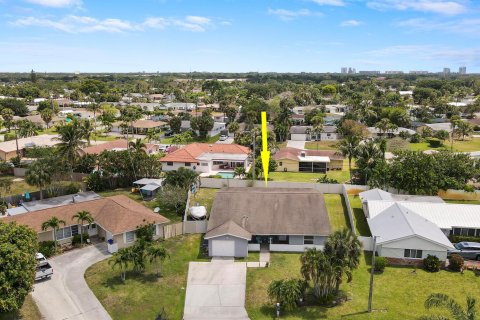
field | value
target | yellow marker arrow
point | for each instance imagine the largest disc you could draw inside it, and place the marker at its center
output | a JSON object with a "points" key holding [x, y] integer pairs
{"points": [[265, 154]]}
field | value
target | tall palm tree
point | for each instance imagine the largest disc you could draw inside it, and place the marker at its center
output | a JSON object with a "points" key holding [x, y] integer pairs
{"points": [[70, 137], [7, 115], [317, 123], [368, 154], [157, 254], [39, 174], [464, 129], [122, 259], [384, 125], [138, 145], [310, 268], [454, 120], [47, 116], [440, 300], [348, 148], [27, 128], [94, 107], [345, 249], [53, 223], [87, 130], [82, 217]]}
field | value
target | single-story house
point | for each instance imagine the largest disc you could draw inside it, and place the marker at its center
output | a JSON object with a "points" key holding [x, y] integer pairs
{"points": [[217, 128], [207, 158], [376, 133], [184, 106], [277, 219], [443, 126], [300, 133], [116, 219], [305, 133], [8, 149], [142, 126], [116, 145], [403, 235], [297, 119], [298, 160]]}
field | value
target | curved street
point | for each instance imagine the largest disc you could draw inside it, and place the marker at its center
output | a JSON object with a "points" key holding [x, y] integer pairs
{"points": [[66, 295]]}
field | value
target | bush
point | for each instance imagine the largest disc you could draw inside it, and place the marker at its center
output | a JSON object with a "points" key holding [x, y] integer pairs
{"points": [[72, 187], [456, 239], [325, 179], [47, 248], [476, 128], [434, 143], [455, 262], [76, 239], [431, 263], [380, 264], [9, 136], [95, 182], [415, 138]]}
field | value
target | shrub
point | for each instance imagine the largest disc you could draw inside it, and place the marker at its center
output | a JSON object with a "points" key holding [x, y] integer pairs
{"points": [[9, 136], [455, 262], [380, 264], [47, 248], [76, 239], [456, 239], [72, 187], [434, 143], [325, 179], [415, 138], [431, 263], [476, 128]]}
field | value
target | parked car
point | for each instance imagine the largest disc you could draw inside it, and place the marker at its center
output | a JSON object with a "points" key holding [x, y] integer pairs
{"points": [[468, 250], [223, 138], [169, 133], [43, 271]]}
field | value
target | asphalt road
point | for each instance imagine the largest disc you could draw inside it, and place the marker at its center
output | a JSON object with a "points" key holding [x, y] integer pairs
{"points": [[66, 296]]}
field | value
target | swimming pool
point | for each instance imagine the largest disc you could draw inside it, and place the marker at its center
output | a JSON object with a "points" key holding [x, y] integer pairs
{"points": [[226, 175]]}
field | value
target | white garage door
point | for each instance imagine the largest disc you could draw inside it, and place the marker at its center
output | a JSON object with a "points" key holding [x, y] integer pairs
{"points": [[223, 248]]}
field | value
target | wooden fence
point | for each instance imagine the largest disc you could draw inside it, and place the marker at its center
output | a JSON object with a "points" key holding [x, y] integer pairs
{"points": [[173, 230]]}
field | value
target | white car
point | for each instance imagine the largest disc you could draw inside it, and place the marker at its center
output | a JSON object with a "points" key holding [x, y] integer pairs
{"points": [[223, 138]]}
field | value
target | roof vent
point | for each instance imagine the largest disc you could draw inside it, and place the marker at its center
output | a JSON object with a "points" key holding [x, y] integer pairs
{"points": [[302, 154]]}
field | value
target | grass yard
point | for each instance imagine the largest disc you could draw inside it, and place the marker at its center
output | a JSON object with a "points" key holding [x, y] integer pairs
{"points": [[29, 311], [458, 145], [360, 221], [167, 213], [340, 175], [399, 293], [204, 197], [143, 296], [321, 145], [337, 212], [463, 201]]}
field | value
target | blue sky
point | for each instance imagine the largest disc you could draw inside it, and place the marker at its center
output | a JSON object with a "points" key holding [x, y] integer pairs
{"points": [[238, 35]]}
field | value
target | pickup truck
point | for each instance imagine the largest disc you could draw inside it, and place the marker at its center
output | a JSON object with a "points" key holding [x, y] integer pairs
{"points": [[44, 271]]}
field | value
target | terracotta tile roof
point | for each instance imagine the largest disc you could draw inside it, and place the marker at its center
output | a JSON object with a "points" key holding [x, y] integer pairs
{"points": [[116, 214], [191, 152], [293, 154]]}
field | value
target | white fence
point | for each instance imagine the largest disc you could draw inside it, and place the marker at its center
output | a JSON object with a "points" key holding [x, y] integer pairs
{"points": [[293, 248], [349, 209]]}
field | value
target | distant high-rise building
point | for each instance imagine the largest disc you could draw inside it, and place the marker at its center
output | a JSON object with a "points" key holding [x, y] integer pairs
{"points": [[344, 70], [462, 70], [446, 71], [369, 72], [418, 72], [393, 72]]}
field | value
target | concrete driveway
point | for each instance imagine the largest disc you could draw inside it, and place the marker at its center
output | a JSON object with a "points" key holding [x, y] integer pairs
{"points": [[66, 294], [216, 290], [296, 144], [228, 141]]}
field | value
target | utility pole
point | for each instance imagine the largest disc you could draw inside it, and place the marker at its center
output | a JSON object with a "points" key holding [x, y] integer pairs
{"points": [[254, 169], [370, 294]]}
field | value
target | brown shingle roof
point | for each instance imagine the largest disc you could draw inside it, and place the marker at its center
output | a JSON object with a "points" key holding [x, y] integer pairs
{"points": [[148, 124], [110, 145], [271, 211], [293, 154], [117, 214], [229, 228], [190, 152]]}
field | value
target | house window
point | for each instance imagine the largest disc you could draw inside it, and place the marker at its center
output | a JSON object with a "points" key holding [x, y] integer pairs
{"points": [[67, 232], [187, 164], [93, 226], [413, 253], [217, 162], [307, 239], [204, 164], [169, 163], [129, 236], [280, 163]]}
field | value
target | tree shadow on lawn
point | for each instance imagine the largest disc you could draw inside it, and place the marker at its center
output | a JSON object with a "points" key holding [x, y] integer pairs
{"points": [[309, 312], [114, 281]]}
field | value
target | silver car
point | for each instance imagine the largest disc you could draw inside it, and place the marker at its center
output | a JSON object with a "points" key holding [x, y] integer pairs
{"points": [[468, 250]]}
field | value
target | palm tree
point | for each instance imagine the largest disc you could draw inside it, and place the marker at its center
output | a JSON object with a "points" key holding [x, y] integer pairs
{"points": [[87, 130], [464, 129], [122, 258], [233, 127], [94, 107], [53, 223], [47, 116], [439, 300], [317, 123], [368, 154], [82, 217], [157, 255], [454, 120], [310, 268], [286, 292], [39, 174], [137, 145], [348, 148], [27, 128], [70, 137], [384, 125], [239, 171], [346, 249], [7, 115]]}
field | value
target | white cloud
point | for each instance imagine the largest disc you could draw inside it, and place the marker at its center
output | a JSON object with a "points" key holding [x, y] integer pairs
{"points": [[82, 24], [446, 7], [459, 26], [57, 3], [351, 23], [289, 14], [337, 3]]}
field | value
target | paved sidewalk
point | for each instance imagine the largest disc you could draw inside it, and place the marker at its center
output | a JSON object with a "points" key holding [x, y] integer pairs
{"points": [[66, 296], [216, 290]]}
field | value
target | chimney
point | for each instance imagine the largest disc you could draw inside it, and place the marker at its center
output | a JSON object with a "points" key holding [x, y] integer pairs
{"points": [[302, 154]]}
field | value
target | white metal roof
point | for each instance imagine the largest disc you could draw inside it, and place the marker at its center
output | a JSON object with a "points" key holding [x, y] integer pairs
{"points": [[222, 156], [444, 215], [150, 187], [375, 194], [145, 181], [398, 222], [313, 159]]}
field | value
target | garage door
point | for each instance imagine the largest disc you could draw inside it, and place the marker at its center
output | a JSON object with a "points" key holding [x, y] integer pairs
{"points": [[223, 248]]}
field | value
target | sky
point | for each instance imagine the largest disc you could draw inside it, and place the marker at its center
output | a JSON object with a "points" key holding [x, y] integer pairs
{"points": [[238, 35]]}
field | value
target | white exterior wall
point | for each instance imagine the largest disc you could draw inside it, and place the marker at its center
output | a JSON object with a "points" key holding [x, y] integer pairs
{"points": [[324, 136], [396, 249], [293, 248], [253, 247], [177, 165], [298, 136], [241, 245]]}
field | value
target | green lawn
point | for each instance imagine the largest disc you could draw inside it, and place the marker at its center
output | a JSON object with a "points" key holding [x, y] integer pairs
{"points": [[204, 197], [340, 175], [359, 219], [458, 145], [20, 186], [29, 311], [207, 140], [399, 293], [337, 212], [463, 201], [321, 145], [167, 213], [143, 296]]}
